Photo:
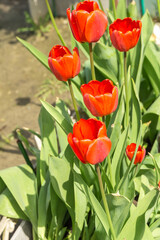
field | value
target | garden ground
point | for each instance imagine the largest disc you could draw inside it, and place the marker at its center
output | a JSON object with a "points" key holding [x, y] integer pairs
{"points": [[21, 76]]}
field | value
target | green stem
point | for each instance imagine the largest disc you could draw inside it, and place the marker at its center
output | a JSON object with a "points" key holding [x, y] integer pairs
{"points": [[121, 67], [100, 4], [103, 119], [73, 100], [92, 62], [114, 9], [110, 169], [158, 5], [126, 88], [54, 23], [105, 201]]}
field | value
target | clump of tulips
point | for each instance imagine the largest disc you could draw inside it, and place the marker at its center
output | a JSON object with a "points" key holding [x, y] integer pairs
{"points": [[89, 140], [99, 177]]}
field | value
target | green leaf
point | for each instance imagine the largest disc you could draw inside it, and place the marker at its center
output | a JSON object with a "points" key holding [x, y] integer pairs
{"points": [[61, 135], [93, 201], [132, 10], [105, 60], [42, 208], [121, 9], [9, 207], [62, 181], [119, 207], [49, 143], [154, 108], [80, 207], [118, 156], [78, 95], [21, 183], [136, 114], [61, 120], [144, 188], [149, 173], [135, 227], [35, 52], [146, 32], [116, 122], [151, 67], [58, 209], [156, 233], [137, 53]]}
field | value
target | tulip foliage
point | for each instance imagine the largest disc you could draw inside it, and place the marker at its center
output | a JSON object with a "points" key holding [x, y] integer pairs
{"points": [[117, 135]]}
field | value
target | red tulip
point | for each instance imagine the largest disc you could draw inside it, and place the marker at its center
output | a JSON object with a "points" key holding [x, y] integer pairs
{"points": [[101, 98], [88, 23], [89, 141], [63, 64], [159, 184], [125, 33], [141, 152]]}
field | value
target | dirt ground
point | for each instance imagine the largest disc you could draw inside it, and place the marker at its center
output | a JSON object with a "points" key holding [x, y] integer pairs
{"points": [[21, 76]]}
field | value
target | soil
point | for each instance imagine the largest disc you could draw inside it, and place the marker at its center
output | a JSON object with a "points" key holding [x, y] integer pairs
{"points": [[21, 77]]}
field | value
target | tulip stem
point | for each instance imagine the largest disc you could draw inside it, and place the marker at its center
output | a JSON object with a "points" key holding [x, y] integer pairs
{"points": [[114, 9], [92, 62], [73, 100], [101, 6], [105, 201], [54, 23], [126, 88]]}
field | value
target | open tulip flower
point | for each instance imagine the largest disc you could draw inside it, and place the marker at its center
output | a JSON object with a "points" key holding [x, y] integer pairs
{"points": [[89, 141], [125, 33], [88, 23], [101, 98], [63, 64], [141, 152]]}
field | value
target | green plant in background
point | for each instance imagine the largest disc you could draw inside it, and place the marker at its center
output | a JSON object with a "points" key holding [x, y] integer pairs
{"points": [[48, 88], [158, 6], [39, 28], [62, 199]]}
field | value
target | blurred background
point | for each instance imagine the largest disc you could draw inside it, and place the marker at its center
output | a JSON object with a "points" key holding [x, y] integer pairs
{"points": [[23, 80]]}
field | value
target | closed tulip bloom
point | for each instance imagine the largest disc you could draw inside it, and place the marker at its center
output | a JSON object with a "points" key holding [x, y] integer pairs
{"points": [[125, 33], [89, 141], [141, 152], [63, 64], [101, 98], [88, 23]]}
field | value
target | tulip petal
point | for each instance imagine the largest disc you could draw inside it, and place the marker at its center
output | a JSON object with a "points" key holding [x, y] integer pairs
{"points": [[95, 26], [91, 88], [93, 105], [73, 24], [74, 147], [106, 86], [98, 150], [138, 158], [87, 6], [67, 65], [86, 88], [83, 146], [76, 62], [114, 98], [80, 18], [56, 69], [86, 129], [102, 131]]}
